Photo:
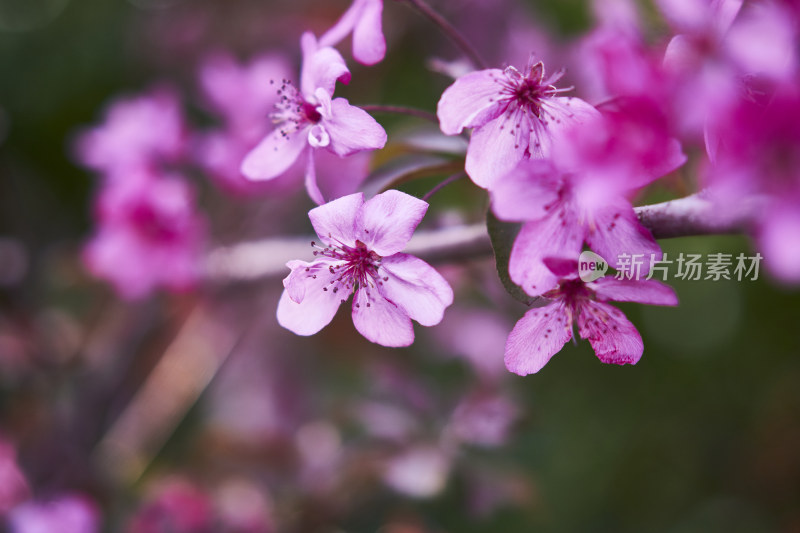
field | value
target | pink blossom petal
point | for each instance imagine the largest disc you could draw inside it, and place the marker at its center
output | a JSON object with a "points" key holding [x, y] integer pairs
{"points": [[470, 102], [778, 236], [335, 222], [527, 192], [319, 302], [338, 176], [564, 114], [311, 180], [322, 67], [495, 149], [685, 15], [352, 129], [416, 287], [557, 235], [387, 221], [614, 339], [274, 155], [627, 290], [536, 337], [369, 45], [763, 41], [617, 231], [381, 321], [343, 26]]}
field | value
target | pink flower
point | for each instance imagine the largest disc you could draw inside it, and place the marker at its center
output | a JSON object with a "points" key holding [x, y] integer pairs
{"points": [[543, 331], [363, 20], [362, 244], [13, 485], [176, 506], [243, 93], [149, 235], [758, 158], [513, 115], [308, 120], [581, 196], [721, 49], [138, 131], [67, 514]]}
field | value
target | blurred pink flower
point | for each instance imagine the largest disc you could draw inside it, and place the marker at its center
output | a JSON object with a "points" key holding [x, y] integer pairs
{"points": [[149, 235], [758, 159], [543, 331], [175, 506], [419, 472], [137, 131], [513, 115], [67, 514], [363, 20], [13, 485], [308, 120], [362, 254], [721, 49]]}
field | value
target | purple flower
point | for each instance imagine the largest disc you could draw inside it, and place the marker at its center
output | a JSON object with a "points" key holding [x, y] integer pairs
{"points": [[513, 115], [149, 235], [362, 244], [308, 120], [581, 196], [543, 331], [138, 131], [67, 514], [363, 20]]}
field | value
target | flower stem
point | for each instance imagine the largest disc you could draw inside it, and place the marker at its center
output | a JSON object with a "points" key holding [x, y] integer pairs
{"points": [[450, 31], [400, 110], [447, 181]]}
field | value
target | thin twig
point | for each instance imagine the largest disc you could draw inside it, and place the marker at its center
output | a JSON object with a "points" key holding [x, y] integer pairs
{"points": [[447, 181], [450, 31], [400, 110]]}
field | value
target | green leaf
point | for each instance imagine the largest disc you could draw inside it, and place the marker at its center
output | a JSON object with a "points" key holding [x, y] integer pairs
{"points": [[502, 235]]}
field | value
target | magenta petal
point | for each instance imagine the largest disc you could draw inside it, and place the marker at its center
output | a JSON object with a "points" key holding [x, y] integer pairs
{"points": [[322, 67], [352, 129], [319, 302], [369, 45], [274, 155], [387, 221], [614, 339], [335, 222], [627, 290], [537, 240], [617, 231], [470, 102], [416, 287], [538, 335], [380, 321], [778, 237], [495, 149], [526, 192]]}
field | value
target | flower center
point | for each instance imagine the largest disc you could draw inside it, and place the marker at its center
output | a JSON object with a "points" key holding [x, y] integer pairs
{"points": [[292, 112], [352, 267]]}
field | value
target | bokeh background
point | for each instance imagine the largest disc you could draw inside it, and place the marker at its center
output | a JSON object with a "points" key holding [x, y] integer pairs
{"points": [[196, 412]]}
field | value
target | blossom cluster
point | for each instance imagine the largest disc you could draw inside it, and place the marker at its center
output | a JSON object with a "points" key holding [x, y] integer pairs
{"points": [[720, 94]]}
